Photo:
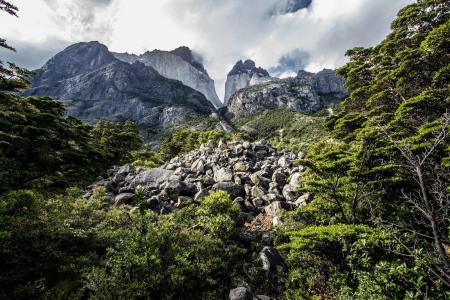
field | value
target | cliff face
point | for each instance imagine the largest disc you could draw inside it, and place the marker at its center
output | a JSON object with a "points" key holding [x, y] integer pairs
{"points": [[244, 74], [179, 64], [306, 92], [95, 85]]}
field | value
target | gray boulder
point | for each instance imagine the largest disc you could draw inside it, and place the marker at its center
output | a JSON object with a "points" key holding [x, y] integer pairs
{"points": [[124, 198], [240, 293], [233, 189], [223, 175]]}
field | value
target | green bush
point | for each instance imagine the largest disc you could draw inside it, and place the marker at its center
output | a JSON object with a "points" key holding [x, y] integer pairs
{"points": [[190, 254]]}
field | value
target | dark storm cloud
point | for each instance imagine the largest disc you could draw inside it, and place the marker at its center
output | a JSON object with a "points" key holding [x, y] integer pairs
{"points": [[291, 62]]}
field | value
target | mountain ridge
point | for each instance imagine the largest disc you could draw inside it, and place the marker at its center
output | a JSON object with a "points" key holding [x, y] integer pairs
{"points": [[179, 64], [103, 87]]}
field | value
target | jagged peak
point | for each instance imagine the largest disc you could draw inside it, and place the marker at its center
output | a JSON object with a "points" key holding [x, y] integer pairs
{"points": [[248, 66], [191, 57]]}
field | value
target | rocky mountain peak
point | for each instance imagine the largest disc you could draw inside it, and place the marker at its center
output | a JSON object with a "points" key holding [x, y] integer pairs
{"points": [[95, 85], [306, 92], [249, 67], [242, 75], [180, 64], [74, 60], [191, 57]]}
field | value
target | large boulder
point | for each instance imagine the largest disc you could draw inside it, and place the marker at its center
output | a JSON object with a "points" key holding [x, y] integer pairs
{"points": [[124, 198], [240, 293], [275, 209], [151, 177], [233, 189], [223, 175]]}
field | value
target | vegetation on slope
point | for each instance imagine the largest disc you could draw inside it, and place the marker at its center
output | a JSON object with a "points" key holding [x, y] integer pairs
{"points": [[285, 129]]}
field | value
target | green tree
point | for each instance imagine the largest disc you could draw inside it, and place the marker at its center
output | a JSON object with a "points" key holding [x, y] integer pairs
{"points": [[395, 123]]}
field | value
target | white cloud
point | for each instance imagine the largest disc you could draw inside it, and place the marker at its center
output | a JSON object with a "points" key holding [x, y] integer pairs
{"points": [[223, 31]]}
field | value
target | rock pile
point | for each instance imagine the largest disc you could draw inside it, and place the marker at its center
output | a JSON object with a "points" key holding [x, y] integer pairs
{"points": [[257, 176]]}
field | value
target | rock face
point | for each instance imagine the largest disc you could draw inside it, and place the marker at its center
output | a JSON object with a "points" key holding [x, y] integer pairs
{"points": [[95, 85], [307, 92], [244, 74], [254, 174], [179, 64]]}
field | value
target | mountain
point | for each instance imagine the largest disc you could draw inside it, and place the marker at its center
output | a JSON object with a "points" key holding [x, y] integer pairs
{"points": [[242, 75], [95, 85], [306, 92], [180, 64]]}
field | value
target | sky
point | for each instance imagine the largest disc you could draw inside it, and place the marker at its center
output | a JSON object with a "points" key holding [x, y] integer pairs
{"points": [[282, 36]]}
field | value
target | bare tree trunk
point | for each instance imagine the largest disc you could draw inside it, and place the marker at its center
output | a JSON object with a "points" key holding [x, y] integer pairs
{"points": [[432, 217]]}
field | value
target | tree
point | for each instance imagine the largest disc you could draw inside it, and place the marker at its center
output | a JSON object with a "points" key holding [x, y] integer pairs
{"points": [[12, 78], [394, 127]]}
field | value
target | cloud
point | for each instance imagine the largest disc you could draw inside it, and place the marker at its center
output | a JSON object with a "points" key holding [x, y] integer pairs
{"points": [[84, 20], [290, 63], [279, 35], [290, 6], [32, 55], [226, 31]]}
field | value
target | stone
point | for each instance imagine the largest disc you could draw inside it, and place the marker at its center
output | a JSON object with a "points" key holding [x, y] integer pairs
{"points": [[271, 197], [241, 167], [258, 202], [275, 209], [272, 261], [124, 198], [284, 162], [151, 177], [303, 200], [257, 192], [279, 177], [223, 175], [301, 155], [175, 178], [180, 171], [125, 169], [173, 189], [222, 145], [260, 180], [240, 293], [153, 203], [233, 189], [276, 221], [198, 166], [295, 180], [288, 192]]}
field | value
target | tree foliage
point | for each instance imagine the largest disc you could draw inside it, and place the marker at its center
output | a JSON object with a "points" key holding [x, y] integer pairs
{"points": [[386, 166]]}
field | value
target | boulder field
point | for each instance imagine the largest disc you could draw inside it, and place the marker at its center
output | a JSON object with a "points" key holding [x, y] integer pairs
{"points": [[261, 179]]}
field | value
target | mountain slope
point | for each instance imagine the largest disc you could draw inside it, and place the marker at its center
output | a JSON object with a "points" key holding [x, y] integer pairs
{"points": [[307, 92], [179, 64], [95, 85]]}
